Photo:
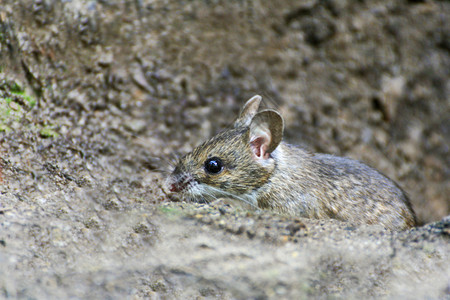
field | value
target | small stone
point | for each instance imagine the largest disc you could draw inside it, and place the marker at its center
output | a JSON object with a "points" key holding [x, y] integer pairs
{"points": [[251, 233], [14, 106], [111, 204], [105, 59], [136, 126]]}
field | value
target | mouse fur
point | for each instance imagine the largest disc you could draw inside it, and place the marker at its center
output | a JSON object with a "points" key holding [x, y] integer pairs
{"points": [[251, 163]]}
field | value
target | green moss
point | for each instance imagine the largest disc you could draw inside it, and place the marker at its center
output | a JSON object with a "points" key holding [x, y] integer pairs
{"points": [[170, 211], [4, 127], [7, 114], [16, 87], [5, 110], [18, 90], [14, 105], [48, 132], [30, 100]]}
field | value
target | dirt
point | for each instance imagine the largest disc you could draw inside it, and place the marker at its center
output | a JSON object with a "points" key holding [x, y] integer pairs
{"points": [[98, 98]]}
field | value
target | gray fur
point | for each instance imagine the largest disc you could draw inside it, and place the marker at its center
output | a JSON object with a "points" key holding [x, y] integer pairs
{"points": [[261, 170]]}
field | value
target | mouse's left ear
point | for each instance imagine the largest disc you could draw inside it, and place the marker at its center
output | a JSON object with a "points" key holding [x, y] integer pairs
{"points": [[266, 133], [248, 112]]}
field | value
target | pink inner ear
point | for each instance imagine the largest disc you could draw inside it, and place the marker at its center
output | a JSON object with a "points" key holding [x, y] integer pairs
{"points": [[259, 148]]}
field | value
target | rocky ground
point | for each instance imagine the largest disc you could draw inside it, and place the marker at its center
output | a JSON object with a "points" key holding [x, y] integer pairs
{"points": [[97, 99]]}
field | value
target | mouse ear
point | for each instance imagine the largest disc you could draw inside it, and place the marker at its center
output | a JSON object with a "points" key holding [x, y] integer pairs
{"points": [[248, 112], [266, 133]]}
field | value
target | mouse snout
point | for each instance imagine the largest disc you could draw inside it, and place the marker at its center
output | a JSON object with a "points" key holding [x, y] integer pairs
{"points": [[174, 187], [180, 183]]}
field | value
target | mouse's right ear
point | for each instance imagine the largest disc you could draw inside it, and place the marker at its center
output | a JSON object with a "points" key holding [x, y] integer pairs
{"points": [[248, 112], [265, 133]]}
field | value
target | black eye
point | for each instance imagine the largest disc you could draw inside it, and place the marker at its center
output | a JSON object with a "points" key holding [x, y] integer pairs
{"points": [[213, 165]]}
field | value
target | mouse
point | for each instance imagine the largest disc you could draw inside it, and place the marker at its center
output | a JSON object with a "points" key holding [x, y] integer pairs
{"points": [[251, 163]]}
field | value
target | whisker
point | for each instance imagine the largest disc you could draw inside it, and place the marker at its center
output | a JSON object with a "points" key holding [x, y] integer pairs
{"points": [[174, 157], [270, 101], [159, 164], [234, 196], [161, 171], [171, 162], [194, 191]]}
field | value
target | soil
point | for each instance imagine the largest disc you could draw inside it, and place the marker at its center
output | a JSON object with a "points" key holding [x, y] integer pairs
{"points": [[98, 98]]}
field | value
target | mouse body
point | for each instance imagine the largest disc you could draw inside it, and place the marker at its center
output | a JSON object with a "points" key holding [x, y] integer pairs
{"points": [[251, 163]]}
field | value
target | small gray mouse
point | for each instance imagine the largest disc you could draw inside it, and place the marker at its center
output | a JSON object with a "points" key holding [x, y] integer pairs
{"points": [[251, 163]]}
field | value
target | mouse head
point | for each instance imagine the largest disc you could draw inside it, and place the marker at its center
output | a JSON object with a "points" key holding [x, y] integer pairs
{"points": [[234, 163]]}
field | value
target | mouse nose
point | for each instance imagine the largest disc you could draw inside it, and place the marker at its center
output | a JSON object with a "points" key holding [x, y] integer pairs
{"points": [[180, 184], [174, 188]]}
